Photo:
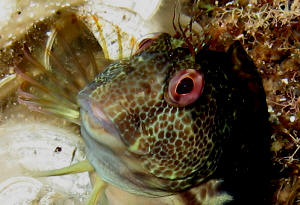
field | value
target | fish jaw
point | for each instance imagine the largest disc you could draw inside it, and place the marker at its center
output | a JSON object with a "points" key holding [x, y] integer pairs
{"points": [[96, 121], [101, 145], [110, 157]]}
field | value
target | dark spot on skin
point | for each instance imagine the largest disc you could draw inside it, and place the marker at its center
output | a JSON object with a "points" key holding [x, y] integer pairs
{"points": [[163, 154], [161, 135], [178, 142]]}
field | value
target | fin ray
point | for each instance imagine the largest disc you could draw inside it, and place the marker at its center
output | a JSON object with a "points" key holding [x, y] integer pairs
{"points": [[82, 166], [68, 64], [98, 189]]}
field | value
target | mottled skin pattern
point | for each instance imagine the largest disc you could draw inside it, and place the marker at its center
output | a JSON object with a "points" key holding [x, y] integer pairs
{"points": [[177, 147], [139, 140]]}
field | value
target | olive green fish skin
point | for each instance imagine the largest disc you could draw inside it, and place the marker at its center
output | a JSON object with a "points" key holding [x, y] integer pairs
{"points": [[171, 148], [212, 150]]}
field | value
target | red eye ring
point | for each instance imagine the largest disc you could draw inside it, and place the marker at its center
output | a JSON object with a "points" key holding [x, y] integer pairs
{"points": [[185, 87]]}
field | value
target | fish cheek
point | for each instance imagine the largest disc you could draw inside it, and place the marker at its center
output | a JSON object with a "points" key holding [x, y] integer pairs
{"points": [[142, 102]]}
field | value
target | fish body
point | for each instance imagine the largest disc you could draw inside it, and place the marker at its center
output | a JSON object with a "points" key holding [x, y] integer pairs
{"points": [[165, 122], [171, 147]]}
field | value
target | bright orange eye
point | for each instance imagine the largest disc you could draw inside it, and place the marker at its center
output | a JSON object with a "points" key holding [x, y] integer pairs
{"points": [[185, 87]]}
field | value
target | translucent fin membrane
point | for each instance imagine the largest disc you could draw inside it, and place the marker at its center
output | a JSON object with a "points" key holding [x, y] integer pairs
{"points": [[43, 95], [71, 59]]}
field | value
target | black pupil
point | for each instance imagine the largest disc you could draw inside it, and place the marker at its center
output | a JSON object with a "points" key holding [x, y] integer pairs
{"points": [[185, 86]]}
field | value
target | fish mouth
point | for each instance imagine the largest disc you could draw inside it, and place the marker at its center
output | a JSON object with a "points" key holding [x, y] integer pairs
{"points": [[94, 117], [108, 154], [103, 147]]}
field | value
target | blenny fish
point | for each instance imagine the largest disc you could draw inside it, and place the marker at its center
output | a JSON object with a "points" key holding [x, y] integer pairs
{"points": [[166, 121]]}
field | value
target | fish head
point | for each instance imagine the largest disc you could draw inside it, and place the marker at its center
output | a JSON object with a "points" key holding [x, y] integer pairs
{"points": [[152, 122]]}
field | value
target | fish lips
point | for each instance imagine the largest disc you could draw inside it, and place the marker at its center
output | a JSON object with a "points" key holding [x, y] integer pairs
{"points": [[94, 115]]}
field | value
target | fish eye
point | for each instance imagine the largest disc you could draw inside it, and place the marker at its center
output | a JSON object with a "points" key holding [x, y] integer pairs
{"points": [[185, 87]]}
